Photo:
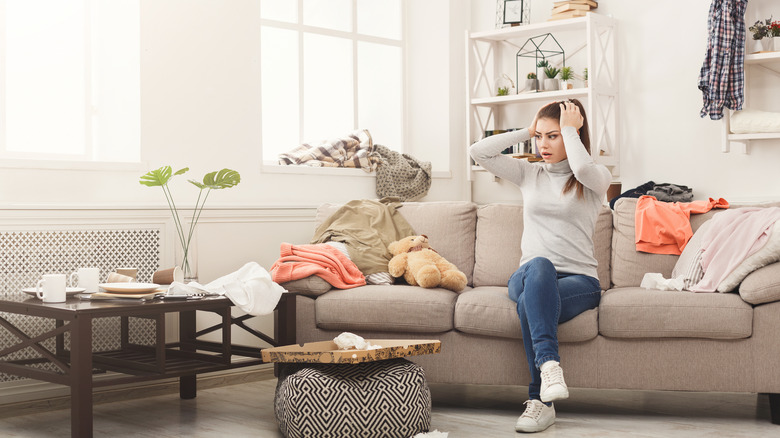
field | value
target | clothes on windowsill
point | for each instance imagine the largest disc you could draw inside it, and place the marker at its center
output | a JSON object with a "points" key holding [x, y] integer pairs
{"points": [[355, 150], [665, 227], [401, 175]]}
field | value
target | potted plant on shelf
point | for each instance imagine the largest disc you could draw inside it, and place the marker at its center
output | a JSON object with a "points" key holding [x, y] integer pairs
{"points": [[551, 84], [222, 179], [759, 30], [567, 74], [585, 77], [504, 86], [531, 83], [774, 34]]}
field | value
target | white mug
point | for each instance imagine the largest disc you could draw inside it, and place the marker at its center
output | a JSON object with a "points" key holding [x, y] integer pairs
{"points": [[53, 290], [88, 279]]}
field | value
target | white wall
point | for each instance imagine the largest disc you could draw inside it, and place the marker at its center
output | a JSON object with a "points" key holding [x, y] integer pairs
{"points": [[200, 107], [661, 48]]}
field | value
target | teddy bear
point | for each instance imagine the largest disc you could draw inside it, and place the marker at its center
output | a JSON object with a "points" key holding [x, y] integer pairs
{"points": [[419, 264]]}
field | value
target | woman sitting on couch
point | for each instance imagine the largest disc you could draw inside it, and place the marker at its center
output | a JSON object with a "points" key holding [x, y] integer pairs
{"points": [[557, 279]]}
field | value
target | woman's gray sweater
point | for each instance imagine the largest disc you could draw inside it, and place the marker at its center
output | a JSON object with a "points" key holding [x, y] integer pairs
{"points": [[555, 225]]}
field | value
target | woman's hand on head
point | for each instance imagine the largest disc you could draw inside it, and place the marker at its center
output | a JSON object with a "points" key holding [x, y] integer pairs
{"points": [[570, 115]]}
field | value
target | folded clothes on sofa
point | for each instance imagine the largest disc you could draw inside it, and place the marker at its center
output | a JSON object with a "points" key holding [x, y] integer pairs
{"points": [[325, 261]]}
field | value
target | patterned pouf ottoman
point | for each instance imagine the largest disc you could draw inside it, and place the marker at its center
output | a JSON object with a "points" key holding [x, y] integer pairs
{"points": [[386, 398]]}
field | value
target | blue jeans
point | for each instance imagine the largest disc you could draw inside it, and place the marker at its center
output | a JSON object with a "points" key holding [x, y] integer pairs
{"points": [[546, 298]]}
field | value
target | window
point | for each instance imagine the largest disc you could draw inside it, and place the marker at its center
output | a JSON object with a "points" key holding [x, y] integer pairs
{"points": [[70, 80], [329, 67]]}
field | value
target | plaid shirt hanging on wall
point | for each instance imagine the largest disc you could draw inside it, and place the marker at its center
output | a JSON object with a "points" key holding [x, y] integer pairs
{"points": [[722, 76]]}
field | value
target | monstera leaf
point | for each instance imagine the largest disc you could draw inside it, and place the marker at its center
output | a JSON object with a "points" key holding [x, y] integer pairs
{"points": [[160, 177], [224, 179]]}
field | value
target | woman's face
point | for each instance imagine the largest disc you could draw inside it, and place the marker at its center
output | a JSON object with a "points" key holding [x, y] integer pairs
{"points": [[549, 141]]}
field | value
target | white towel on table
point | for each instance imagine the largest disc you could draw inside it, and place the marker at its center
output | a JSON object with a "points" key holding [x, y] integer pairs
{"points": [[250, 288]]}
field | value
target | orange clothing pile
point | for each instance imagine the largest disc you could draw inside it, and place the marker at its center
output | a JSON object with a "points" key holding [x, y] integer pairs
{"points": [[323, 260], [665, 227]]}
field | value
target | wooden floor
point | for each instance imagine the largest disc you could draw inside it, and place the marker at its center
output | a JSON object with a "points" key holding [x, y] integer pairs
{"points": [[246, 410]]}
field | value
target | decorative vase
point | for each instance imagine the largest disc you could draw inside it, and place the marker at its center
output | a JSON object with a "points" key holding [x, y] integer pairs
{"points": [[550, 84], [531, 85], [566, 85], [774, 44], [189, 266], [758, 46]]}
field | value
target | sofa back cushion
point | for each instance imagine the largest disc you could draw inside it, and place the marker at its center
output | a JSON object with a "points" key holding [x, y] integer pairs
{"points": [[630, 265], [499, 232], [449, 225]]}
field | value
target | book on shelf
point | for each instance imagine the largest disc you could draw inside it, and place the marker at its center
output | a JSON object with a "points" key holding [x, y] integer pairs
{"points": [[569, 14], [570, 7], [593, 4]]}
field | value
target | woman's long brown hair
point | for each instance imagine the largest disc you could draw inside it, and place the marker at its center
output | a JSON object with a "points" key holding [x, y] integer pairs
{"points": [[553, 111]]}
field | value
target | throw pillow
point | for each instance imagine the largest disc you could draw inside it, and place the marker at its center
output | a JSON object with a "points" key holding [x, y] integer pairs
{"points": [[312, 286], [769, 253], [688, 265], [761, 285]]}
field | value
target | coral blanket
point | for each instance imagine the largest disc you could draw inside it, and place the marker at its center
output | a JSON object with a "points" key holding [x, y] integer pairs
{"points": [[323, 260], [665, 227]]}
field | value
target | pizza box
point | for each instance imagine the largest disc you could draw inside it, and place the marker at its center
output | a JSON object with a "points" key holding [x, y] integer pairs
{"points": [[328, 351]]}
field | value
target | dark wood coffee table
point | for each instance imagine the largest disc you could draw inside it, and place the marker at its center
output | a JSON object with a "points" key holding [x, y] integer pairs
{"points": [[134, 363]]}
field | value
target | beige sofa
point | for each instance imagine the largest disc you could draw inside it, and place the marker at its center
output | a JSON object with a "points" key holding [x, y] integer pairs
{"points": [[636, 339]]}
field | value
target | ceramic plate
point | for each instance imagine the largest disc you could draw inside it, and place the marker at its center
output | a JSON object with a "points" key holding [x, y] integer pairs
{"points": [[68, 290], [129, 288]]}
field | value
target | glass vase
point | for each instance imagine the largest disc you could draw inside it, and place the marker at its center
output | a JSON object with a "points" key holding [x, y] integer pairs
{"points": [[189, 264]]}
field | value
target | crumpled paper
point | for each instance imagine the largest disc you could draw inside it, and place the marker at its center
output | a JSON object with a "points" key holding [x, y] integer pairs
{"points": [[347, 340], [434, 434], [654, 280]]}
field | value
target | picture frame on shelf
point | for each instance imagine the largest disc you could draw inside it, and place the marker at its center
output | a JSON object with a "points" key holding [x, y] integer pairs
{"points": [[513, 12]]}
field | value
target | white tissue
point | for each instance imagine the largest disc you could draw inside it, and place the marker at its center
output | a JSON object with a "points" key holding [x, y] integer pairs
{"points": [[348, 340], [653, 280]]}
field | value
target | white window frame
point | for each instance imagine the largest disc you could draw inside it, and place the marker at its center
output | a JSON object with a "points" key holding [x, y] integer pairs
{"points": [[84, 161], [271, 165]]}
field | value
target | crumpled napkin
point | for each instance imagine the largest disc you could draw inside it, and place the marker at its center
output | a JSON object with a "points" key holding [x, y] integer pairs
{"points": [[250, 288], [653, 280], [348, 340]]}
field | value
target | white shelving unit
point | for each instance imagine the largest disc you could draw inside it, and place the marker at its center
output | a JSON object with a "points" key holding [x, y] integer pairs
{"points": [[594, 34], [768, 62]]}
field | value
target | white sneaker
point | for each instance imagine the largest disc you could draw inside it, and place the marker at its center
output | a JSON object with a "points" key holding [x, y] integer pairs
{"points": [[553, 387], [536, 418]]}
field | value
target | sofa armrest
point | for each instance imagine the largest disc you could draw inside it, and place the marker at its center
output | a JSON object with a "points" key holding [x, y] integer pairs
{"points": [[762, 285]]}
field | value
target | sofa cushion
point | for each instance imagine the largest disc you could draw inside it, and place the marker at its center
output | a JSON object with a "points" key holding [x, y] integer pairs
{"points": [[497, 251], [628, 264], [499, 232], [311, 286], [762, 285], [389, 308], [488, 311], [449, 225], [634, 312]]}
